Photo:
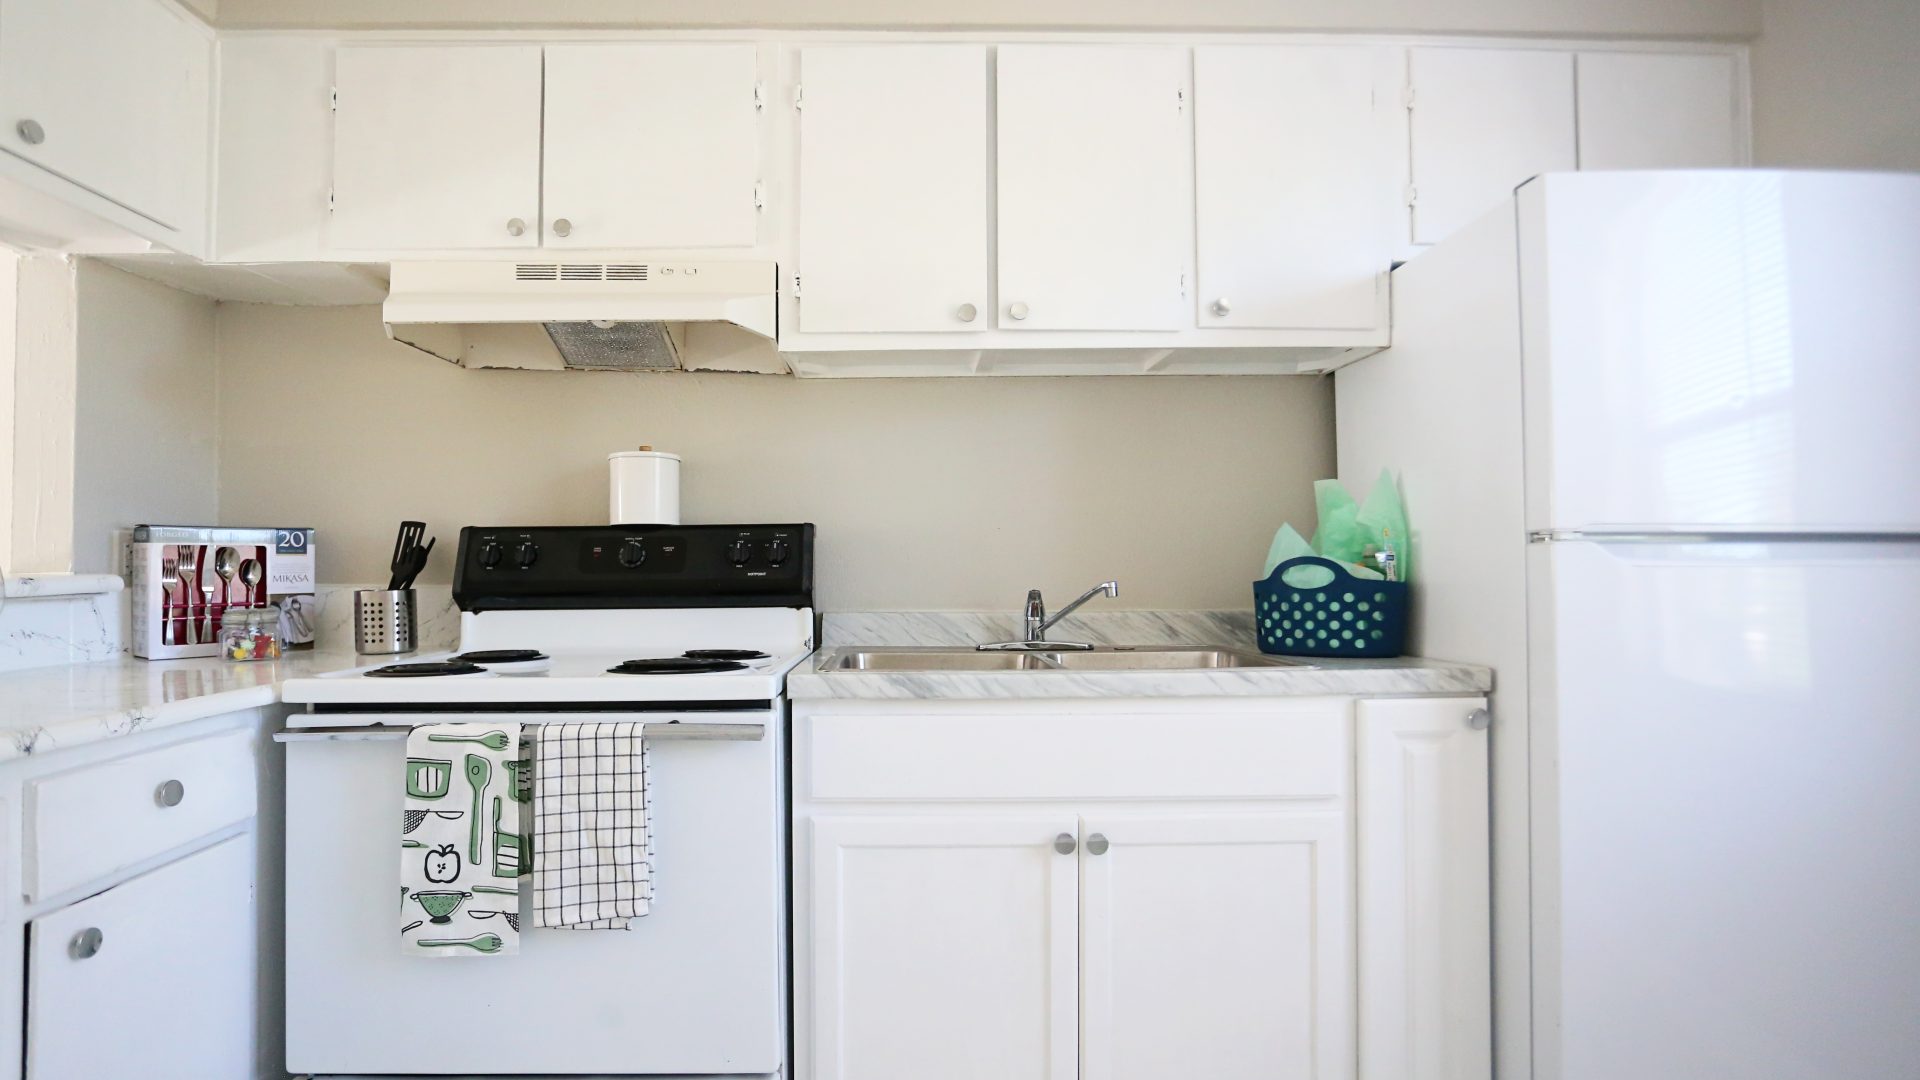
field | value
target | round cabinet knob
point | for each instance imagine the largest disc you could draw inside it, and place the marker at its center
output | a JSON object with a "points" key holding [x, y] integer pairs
{"points": [[170, 793], [516, 227], [1064, 843], [1221, 307], [777, 553], [526, 555], [490, 555], [632, 553], [1097, 844], [562, 227], [966, 313], [1479, 719], [739, 552], [30, 132], [86, 944], [1017, 311]]}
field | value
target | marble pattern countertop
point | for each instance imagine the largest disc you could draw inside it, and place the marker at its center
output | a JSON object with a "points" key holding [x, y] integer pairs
{"points": [[1404, 676], [67, 705]]}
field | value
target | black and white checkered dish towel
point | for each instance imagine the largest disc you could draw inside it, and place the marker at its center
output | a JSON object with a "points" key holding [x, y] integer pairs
{"points": [[593, 851]]}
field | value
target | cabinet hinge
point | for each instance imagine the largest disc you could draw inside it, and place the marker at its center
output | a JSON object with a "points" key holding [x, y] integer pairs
{"points": [[1412, 194], [799, 96], [333, 99], [1406, 97], [329, 200], [759, 96], [1183, 282], [759, 195], [796, 286], [1180, 98]]}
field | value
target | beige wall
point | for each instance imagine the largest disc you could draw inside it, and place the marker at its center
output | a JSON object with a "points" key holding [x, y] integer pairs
{"points": [[929, 493], [1836, 84], [146, 429], [1628, 18]]}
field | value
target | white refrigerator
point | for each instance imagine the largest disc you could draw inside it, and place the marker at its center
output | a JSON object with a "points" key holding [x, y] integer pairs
{"points": [[1658, 434]]}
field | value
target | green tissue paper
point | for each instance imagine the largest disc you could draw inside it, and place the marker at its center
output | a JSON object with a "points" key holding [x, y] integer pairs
{"points": [[1349, 534], [1287, 544], [1384, 521]]}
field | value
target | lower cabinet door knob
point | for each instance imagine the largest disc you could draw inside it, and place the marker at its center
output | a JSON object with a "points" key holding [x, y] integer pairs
{"points": [[170, 793], [1097, 844], [1065, 843], [86, 943]]}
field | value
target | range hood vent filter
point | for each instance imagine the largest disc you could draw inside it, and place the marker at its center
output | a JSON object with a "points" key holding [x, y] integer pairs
{"points": [[627, 346]]}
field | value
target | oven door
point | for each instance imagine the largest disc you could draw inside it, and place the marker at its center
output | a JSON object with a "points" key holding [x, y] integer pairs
{"points": [[694, 988]]}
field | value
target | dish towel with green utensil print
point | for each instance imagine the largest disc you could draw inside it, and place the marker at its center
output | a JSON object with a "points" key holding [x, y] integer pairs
{"points": [[593, 855], [462, 840]]}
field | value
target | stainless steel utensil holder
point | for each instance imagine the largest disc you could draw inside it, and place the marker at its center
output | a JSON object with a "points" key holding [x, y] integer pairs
{"points": [[384, 621]]}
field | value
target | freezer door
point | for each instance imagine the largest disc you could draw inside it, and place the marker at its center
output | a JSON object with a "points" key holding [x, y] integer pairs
{"points": [[1726, 870], [1733, 349]]}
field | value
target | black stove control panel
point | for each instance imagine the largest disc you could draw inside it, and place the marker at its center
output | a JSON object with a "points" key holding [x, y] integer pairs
{"points": [[503, 567]]}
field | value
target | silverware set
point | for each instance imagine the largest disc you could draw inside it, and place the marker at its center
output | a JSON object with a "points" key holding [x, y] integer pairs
{"points": [[188, 588]]}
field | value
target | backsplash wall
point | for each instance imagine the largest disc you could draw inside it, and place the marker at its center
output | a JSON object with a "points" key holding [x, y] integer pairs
{"points": [[930, 494]]}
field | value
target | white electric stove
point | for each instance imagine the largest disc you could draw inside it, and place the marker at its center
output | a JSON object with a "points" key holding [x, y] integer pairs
{"points": [[688, 629]]}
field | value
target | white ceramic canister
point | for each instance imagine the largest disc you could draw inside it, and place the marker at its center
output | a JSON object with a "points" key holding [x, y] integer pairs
{"points": [[643, 487]]}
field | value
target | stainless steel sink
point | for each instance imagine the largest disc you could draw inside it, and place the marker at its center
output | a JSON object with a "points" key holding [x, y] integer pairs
{"points": [[1104, 658]]}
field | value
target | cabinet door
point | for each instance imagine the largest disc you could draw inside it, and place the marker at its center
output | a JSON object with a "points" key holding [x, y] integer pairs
{"points": [[651, 146], [1484, 121], [119, 94], [166, 989], [1294, 189], [943, 949], [892, 196], [436, 146], [1425, 951], [1658, 111], [1216, 944], [1094, 220]]}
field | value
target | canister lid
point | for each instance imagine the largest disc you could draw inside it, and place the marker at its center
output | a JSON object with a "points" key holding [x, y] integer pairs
{"points": [[643, 452]]}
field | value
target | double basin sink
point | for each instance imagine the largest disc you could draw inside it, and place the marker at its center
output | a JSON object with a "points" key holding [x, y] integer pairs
{"points": [[1102, 658]]}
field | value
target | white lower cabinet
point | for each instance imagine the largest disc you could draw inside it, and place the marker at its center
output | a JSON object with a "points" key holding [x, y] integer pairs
{"points": [[1424, 891], [944, 947], [152, 978], [1215, 944], [1105, 920]]}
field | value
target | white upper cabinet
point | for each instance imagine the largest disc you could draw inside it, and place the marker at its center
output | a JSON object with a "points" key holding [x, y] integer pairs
{"points": [[1095, 218], [436, 146], [114, 96], [651, 146], [1295, 193], [1213, 944], [892, 231], [1483, 122], [1660, 111]]}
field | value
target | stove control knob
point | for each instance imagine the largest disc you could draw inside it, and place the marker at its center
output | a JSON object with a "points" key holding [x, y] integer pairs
{"points": [[490, 555], [526, 555], [777, 552], [739, 552], [632, 553]]}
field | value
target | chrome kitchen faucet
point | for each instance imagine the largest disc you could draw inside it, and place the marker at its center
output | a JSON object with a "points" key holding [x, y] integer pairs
{"points": [[1036, 621]]}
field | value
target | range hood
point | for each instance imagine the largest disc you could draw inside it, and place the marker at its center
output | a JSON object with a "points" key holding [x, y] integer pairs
{"points": [[616, 312]]}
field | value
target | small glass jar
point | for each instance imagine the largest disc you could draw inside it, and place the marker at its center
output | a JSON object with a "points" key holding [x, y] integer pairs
{"points": [[250, 633]]}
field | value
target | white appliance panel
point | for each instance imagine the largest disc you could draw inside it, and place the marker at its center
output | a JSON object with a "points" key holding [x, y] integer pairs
{"points": [[1722, 349], [1724, 750], [694, 988]]}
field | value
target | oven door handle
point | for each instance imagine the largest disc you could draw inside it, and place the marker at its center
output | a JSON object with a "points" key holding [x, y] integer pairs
{"points": [[676, 730]]}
